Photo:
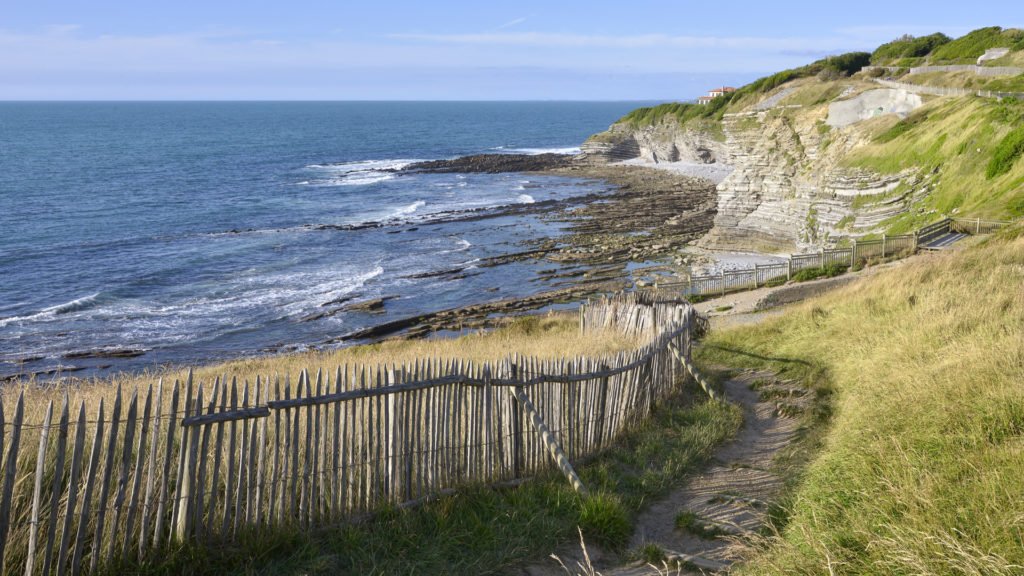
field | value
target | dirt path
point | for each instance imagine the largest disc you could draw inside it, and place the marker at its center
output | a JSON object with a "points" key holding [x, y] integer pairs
{"points": [[719, 507]]}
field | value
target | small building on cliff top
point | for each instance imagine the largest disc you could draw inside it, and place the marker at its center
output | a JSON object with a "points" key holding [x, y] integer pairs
{"points": [[715, 93]]}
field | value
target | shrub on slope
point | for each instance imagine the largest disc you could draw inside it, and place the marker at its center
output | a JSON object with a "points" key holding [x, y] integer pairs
{"points": [[908, 47]]}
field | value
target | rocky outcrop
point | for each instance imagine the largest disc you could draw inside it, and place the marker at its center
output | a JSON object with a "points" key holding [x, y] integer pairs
{"points": [[789, 187], [493, 163], [872, 104], [664, 142]]}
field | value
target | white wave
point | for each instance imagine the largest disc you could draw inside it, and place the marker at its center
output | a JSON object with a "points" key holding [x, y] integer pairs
{"points": [[406, 210], [361, 179], [462, 245], [360, 173], [52, 311], [366, 165], [294, 293], [534, 151], [525, 199]]}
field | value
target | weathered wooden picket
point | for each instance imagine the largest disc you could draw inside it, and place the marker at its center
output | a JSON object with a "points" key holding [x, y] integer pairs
{"points": [[207, 461]]}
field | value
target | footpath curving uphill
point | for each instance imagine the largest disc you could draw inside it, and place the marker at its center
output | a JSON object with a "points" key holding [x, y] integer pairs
{"points": [[709, 522]]}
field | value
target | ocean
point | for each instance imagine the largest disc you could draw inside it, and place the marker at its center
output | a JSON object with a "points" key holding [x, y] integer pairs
{"points": [[195, 232]]}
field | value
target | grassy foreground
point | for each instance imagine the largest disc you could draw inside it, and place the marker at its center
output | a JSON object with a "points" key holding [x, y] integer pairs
{"points": [[921, 469]]}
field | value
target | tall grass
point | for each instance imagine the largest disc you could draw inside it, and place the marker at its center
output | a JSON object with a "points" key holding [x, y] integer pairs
{"points": [[921, 468], [1006, 154], [555, 335]]}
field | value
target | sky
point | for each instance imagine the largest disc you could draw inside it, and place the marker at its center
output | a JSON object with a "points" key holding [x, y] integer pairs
{"points": [[439, 50]]}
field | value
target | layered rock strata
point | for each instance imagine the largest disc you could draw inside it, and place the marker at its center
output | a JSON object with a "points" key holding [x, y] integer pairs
{"points": [[789, 188]]}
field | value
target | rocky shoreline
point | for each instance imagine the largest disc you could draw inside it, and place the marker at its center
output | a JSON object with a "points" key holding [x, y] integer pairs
{"points": [[610, 244], [613, 241]]}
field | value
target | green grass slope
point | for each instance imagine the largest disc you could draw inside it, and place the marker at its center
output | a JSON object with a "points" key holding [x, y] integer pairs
{"points": [[939, 49], [972, 144], [921, 468], [831, 67]]}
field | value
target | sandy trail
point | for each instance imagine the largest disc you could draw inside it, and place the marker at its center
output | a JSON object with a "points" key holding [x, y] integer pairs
{"points": [[729, 500]]}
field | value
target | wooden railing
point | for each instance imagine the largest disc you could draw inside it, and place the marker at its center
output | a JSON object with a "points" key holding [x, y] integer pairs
{"points": [[860, 251], [947, 91], [765, 274], [209, 461]]}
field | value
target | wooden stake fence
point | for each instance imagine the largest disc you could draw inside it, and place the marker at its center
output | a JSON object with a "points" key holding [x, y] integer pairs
{"points": [[862, 250], [208, 461]]}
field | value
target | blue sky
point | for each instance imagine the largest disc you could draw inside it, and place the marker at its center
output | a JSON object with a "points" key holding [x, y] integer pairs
{"points": [[404, 50]]}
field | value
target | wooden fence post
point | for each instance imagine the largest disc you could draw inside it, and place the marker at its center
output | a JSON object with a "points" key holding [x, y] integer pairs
{"points": [[883, 245], [549, 440], [517, 429], [722, 272], [601, 401], [977, 228], [37, 491], [853, 254], [789, 269]]}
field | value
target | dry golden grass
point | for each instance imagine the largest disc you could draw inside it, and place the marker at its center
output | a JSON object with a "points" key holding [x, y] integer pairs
{"points": [[921, 468], [554, 335]]}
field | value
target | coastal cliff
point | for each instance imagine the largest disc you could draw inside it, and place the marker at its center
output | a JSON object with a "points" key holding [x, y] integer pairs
{"points": [[817, 161], [787, 185]]}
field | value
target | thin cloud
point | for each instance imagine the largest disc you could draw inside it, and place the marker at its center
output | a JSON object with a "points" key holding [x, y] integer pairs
{"points": [[512, 23], [62, 29], [539, 39]]}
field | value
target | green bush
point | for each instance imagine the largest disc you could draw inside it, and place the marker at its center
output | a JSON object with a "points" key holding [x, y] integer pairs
{"points": [[909, 47], [830, 271], [1006, 154], [603, 518], [975, 43]]}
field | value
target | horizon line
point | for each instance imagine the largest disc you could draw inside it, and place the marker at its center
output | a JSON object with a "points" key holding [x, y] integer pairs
{"points": [[325, 101]]}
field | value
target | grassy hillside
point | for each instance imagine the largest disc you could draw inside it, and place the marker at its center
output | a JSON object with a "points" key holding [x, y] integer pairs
{"points": [[921, 469], [683, 113], [939, 49], [967, 48], [908, 47], [958, 139]]}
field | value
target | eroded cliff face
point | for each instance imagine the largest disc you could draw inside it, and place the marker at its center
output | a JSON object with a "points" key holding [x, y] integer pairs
{"points": [[663, 142], [788, 188]]}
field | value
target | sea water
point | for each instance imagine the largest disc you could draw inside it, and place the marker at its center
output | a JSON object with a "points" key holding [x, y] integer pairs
{"points": [[203, 231]]}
